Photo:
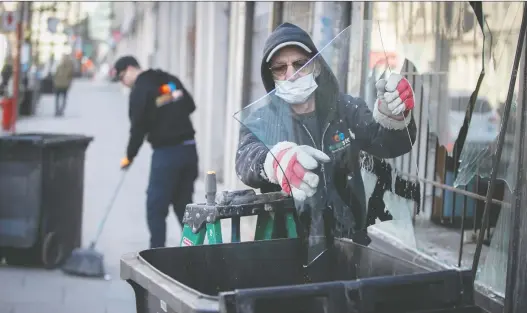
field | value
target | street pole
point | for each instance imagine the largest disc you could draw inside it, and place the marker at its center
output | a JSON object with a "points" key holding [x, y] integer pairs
{"points": [[16, 63]]}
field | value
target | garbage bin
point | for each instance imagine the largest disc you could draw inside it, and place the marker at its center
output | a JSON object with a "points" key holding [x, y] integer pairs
{"points": [[268, 276], [41, 197]]}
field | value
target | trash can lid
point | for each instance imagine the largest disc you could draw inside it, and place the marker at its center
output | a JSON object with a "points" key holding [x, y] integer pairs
{"points": [[46, 139]]}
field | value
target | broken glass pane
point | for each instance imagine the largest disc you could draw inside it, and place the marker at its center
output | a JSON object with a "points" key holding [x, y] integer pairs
{"points": [[482, 136]]}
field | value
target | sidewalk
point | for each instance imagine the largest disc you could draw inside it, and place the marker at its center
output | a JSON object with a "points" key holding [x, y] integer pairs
{"points": [[97, 109]]}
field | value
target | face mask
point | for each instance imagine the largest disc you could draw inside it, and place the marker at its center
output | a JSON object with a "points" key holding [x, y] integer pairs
{"points": [[297, 91]]}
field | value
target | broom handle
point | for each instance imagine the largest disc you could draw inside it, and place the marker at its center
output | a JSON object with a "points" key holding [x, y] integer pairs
{"points": [[108, 209]]}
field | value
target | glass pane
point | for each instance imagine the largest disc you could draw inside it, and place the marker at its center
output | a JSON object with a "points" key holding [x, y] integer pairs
{"points": [[447, 56], [491, 276], [482, 136], [315, 156], [440, 49]]}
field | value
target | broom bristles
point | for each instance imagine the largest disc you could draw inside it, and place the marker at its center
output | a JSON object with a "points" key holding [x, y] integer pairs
{"points": [[85, 262]]}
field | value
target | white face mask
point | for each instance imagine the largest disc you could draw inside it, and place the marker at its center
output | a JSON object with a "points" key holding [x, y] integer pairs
{"points": [[297, 91]]}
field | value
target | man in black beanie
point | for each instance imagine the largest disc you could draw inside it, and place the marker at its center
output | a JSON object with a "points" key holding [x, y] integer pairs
{"points": [[159, 109]]}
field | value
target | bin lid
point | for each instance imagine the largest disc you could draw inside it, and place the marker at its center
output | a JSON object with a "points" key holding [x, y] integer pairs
{"points": [[45, 139]]}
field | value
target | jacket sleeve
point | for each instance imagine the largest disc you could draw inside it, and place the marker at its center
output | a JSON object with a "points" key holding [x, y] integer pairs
{"points": [[375, 138], [187, 101], [138, 104], [252, 152], [250, 158]]}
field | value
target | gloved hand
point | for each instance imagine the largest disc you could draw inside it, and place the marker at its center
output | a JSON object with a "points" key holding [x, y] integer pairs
{"points": [[395, 100], [291, 166], [125, 163]]}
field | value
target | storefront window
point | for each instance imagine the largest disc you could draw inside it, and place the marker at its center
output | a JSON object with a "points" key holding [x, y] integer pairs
{"points": [[447, 55]]}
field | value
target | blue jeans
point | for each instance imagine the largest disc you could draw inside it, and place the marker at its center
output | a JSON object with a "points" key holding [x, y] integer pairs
{"points": [[173, 172]]}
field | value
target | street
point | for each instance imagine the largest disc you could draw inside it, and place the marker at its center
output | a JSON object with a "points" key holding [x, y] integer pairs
{"points": [[97, 109]]}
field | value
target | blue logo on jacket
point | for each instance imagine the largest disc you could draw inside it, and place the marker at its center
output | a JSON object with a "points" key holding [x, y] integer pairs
{"points": [[340, 142]]}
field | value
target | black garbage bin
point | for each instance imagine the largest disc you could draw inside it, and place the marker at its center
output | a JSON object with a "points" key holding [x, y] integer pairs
{"points": [[41, 197], [268, 276]]}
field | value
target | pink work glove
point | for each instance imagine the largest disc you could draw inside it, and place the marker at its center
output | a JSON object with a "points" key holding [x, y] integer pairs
{"points": [[395, 100], [291, 166]]}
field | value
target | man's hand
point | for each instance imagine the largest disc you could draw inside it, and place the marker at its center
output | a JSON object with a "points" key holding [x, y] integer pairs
{"points": [[395, 100], [125, 163], [291, 166]]}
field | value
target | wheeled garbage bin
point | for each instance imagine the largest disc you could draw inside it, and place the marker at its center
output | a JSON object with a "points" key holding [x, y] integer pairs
{"points": [[268, 276], [41, 197]]}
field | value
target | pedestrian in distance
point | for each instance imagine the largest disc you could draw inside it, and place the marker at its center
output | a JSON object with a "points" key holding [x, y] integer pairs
{"points": [[7, 75], [62, 82], [160, 109]]}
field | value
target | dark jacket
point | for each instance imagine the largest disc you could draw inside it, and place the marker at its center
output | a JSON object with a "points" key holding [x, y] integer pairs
{"points": [[164, 125], [338, 114]]}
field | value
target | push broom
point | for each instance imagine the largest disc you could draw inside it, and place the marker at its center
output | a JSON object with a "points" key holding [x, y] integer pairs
{"points": [[88, 262]]}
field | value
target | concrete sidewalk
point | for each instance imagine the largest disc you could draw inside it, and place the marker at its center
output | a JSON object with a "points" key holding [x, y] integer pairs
{"points": [[98, 109]]}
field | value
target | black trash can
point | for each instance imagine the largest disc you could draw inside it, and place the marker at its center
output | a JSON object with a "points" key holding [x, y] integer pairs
{"points": [[268, 276], [41, 197]]}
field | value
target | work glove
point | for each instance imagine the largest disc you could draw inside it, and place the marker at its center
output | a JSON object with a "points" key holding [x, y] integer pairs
{"points": [[395, 100], [291, 166], [125, 163]]}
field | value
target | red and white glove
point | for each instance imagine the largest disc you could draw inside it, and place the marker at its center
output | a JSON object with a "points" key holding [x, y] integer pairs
{"points": [[291, 166], [395, 100]]}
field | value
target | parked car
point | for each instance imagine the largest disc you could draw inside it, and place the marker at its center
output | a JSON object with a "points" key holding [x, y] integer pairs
{"points": [[484, 124], [482, 133]]}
